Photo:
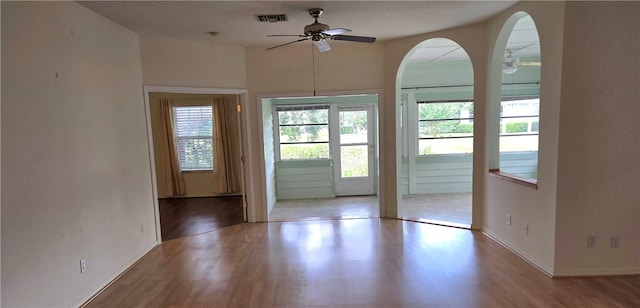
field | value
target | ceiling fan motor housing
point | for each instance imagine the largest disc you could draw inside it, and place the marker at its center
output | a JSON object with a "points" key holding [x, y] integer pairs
{"points": [[315, 28]]}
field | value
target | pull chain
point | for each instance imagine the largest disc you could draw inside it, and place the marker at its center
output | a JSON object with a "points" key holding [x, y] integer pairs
{"points": [[313, 61]]}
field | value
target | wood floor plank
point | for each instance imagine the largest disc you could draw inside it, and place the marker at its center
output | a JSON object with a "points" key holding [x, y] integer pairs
{"points": [[351, 263]]}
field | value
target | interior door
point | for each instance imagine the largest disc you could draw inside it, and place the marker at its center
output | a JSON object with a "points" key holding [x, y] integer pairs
{"points": [[354, 151]]}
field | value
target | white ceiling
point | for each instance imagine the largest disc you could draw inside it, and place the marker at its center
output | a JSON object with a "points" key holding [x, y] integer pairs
{"points": [[237, 24], [440, 61], [523, 41]]}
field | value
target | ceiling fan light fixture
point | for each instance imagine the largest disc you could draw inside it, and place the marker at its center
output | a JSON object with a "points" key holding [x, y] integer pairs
{"points": [[509, 68], [509, 65], [322, 45]]}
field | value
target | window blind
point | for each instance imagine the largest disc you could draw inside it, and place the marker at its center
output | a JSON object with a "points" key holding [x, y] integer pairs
{"points": [[193, 127]]}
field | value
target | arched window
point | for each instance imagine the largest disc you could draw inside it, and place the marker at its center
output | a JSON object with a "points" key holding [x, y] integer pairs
{"points": [[519, 99]]}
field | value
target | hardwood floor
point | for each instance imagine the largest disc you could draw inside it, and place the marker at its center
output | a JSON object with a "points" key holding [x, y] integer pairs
{"points": [[442, 208], [452, 209], [351, 262], [180, 217]]}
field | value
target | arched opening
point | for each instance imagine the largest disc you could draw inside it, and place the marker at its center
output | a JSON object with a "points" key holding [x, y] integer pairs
{"points": [[515, 103], [436, 120]]}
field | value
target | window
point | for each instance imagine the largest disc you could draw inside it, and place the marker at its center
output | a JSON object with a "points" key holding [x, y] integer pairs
{"points": [[303, 131], [519, 122], [445, 127], [193, 127]]}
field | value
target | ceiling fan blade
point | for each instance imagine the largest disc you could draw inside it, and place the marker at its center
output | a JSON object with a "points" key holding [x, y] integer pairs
{"points": [[336, 31], [300, 40], [298, 35], [351, 38], [525, 46]]}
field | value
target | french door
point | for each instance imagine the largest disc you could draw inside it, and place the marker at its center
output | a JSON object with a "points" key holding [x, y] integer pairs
{"points": [[354, 151]]}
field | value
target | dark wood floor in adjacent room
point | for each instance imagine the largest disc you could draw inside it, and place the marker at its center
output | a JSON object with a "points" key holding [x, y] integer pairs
{"points": [[180, 217]]}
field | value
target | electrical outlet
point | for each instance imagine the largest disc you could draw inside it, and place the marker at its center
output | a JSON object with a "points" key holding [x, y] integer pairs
{"points": [[614, 242], [526, 229], [508, 219], [591, 241], [83, 266]]}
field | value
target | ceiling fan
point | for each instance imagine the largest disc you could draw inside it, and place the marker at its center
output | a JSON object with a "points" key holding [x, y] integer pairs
{"points": [[319, 33], [511, 63]]}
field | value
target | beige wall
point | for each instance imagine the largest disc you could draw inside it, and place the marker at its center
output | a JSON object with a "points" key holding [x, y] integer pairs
{"points": [[178, 62], [286, 70], [534, 207], [599, 149], [198, 184], [75, 161], [290, 69]]}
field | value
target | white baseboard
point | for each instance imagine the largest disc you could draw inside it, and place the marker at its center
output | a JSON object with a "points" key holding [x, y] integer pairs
{"points": [[113, 277], [548, 270], [604, 271], [559, 273]]}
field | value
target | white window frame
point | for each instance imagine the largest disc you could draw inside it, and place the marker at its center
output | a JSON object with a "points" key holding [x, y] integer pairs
{"points": [[277, 125]]}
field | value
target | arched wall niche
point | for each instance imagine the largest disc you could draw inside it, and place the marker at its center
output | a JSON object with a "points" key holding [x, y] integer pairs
{"points": [[514, 99]]}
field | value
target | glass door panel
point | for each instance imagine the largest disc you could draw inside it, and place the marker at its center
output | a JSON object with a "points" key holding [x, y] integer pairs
{"points": [[355, 161], [353, 175]]}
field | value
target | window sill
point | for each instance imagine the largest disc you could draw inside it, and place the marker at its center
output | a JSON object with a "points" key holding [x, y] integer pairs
{"points": [[196, 171], [531, 183]]}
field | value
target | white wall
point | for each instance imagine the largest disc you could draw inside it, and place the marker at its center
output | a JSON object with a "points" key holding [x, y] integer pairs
{"points": [[599, 151], [74, 150], [289, 70]]}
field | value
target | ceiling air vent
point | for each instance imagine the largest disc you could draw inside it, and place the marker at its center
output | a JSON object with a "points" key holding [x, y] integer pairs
{"points": [[272, 18]]}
